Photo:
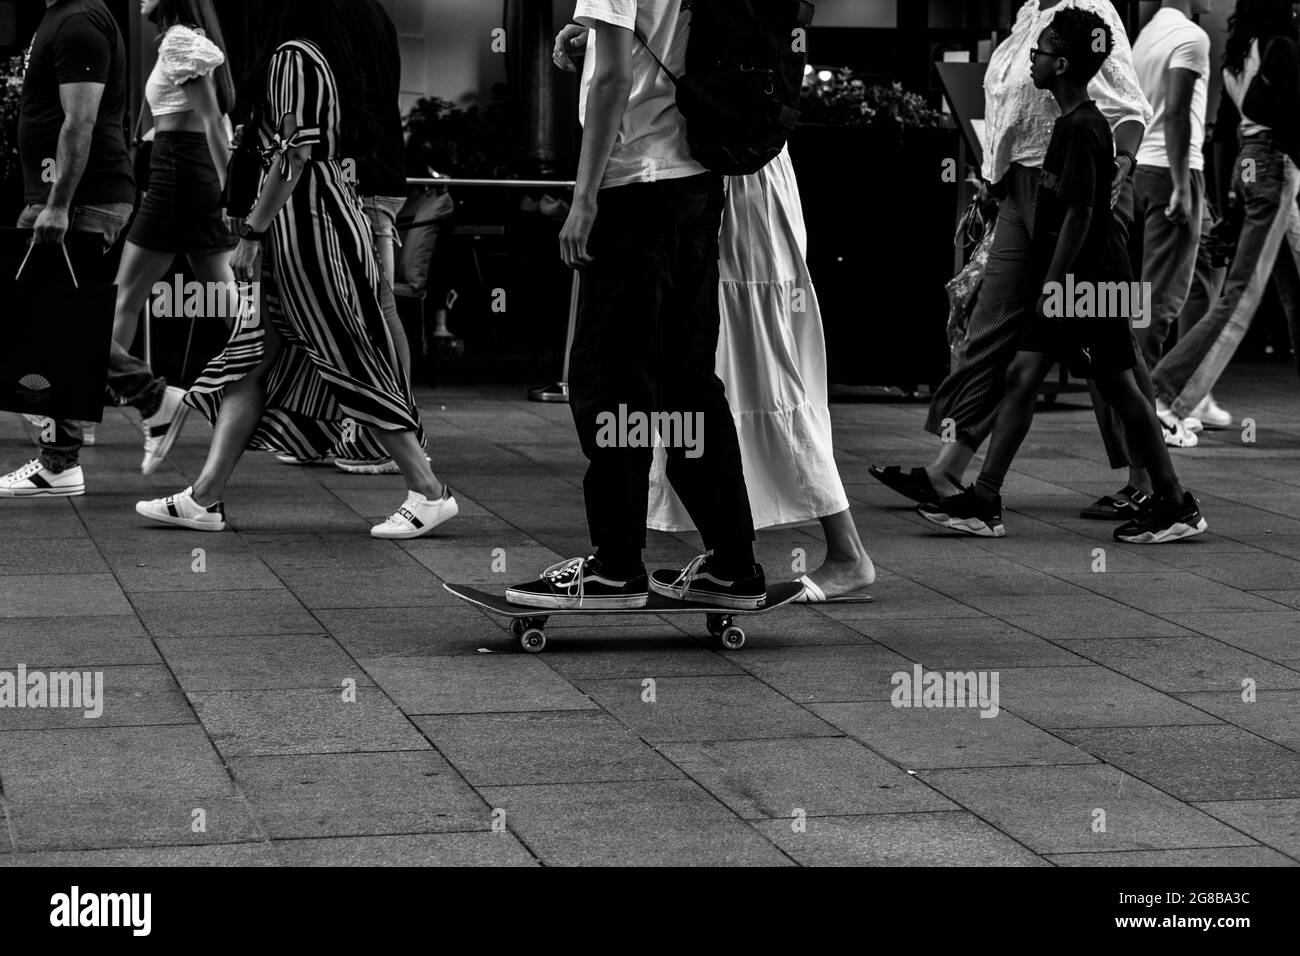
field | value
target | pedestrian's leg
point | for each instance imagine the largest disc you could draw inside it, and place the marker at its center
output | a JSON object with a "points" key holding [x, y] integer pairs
{"points": [[137, 274], [406, 450], [242, 405], [214, 269], [1144, 431], [966, 403], [847, 567], [1015, 416]]}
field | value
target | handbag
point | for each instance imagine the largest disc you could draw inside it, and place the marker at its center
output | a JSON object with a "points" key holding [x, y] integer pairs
{"points": [[142, 158], [58, 331]]}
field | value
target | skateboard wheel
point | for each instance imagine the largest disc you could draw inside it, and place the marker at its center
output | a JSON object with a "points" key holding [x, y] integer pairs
{"points": [[717, 623], [533, 640], [732, 638]]}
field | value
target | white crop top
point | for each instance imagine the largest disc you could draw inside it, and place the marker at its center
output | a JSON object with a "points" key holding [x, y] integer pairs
{"points": [[185, 54]]}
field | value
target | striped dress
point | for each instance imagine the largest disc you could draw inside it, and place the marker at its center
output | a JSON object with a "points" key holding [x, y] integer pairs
{"points": [[335, 381]]}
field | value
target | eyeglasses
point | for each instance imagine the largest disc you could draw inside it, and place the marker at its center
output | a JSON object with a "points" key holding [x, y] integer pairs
{"points": [[1036, 52]]}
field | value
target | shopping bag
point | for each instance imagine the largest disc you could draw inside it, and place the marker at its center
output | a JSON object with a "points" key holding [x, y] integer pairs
{"points": [[57, 332], [963, 291]]}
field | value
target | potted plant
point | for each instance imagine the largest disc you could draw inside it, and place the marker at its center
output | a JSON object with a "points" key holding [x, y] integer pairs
{"points": [[880, 213]]}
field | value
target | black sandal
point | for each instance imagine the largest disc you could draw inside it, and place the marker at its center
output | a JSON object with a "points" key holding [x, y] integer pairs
{"points": [[1127, 504], [915, 484]]}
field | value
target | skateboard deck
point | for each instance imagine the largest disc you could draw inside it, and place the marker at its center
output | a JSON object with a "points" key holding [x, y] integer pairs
{"points": [[529, 623]]}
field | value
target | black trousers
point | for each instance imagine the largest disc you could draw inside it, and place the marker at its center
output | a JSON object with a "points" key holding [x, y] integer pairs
{"points": [[646, 338]]}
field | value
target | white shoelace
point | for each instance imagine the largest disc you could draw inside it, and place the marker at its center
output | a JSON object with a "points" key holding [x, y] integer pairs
{"points": [[575, 567], [688, 575], [33, 467]]}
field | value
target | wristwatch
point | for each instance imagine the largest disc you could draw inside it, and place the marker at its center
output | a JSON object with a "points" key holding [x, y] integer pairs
{"points": [[247, 232]]}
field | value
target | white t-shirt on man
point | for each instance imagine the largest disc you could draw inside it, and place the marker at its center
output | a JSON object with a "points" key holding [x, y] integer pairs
{"points": [[1171, 41], [651, 141]]}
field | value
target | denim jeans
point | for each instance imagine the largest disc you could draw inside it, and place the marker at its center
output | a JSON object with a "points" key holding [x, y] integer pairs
{"points": [[1270, 183], [129, 379], [1168, 253], [382, 212]]}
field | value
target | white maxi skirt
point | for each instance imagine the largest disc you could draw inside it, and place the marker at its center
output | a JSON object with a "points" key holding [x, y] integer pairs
{"points": [[771, 358]]}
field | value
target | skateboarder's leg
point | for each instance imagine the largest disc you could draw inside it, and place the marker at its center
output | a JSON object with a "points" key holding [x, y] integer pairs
{"points": [[704, 464], [613, 365]]}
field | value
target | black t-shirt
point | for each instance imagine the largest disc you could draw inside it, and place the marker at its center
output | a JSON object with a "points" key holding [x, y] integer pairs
{"points": [[1080, 170], [380, 170], [78, 41]]}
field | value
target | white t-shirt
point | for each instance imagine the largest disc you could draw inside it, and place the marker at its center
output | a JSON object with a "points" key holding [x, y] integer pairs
{"points": [[651, 141], [1170, 42]]}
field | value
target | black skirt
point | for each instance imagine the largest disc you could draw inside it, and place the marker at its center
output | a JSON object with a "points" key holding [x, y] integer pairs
{"points": [[181, 212]]}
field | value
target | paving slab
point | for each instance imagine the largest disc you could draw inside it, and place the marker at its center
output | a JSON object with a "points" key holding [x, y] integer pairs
{"points": [[818, 674], [1271, 714], [1226, 856], [61, 595], [221, 854], [975, 642], [646, 823], [548, 747], [260, 662], [334, 795], [1197, 763], [431, 849], [775, 779], [215, 613], [304, 721], [74, 641], [704, 708], [50, 556], [119, 696], [1056, 809], [479, 684], [142, 820], [953, 838], [1052, 697], [945, 737], [1272, 822], [1176, 664]]}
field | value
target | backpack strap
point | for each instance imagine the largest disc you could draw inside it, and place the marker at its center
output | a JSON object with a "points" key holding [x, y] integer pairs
{"points": [[640, 39]]}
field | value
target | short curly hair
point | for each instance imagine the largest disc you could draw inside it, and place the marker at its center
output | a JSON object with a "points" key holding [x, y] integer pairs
{"points": [[1084, 38]]}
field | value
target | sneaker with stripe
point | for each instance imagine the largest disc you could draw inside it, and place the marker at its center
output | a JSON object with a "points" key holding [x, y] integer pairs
{"points": [[34, 480], [582, 583], [417, 516], [699, 583], [968, 513], [1164, 522], [182, 511]]}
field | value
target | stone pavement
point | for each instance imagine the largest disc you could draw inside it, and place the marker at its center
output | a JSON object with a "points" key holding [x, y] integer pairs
{"points": [[299, 693]]}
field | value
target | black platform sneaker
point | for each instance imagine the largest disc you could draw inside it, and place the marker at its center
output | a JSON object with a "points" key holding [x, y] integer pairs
{"points": [[1165, 521], [581, 582], [968, 513], [698, 584]]}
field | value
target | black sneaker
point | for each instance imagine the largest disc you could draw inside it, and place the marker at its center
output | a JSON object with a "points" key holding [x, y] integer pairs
{"points": [[698, 584], [1165, 521], [581, 583], [968, 513]]}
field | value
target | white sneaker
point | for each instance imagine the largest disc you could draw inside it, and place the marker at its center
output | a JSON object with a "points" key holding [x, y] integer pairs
{"points": [[1211, 414], [360, 466], [162, 428], [418, 516], [1176, 433], [184, 512], [34, 480], [1193, 424], [286, 459]]}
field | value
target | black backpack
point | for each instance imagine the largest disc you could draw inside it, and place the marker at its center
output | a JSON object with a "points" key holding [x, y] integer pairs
{"points": [[744, 77]]}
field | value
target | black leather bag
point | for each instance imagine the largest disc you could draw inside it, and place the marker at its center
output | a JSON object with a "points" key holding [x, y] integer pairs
{"points": [[142, 152]]}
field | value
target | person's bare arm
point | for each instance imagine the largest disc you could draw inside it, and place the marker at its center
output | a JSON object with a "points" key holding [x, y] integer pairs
{"points": [[202, 93], [1178, 140], [1128, 139], [80, 103], [611, 85], [275, 194]]}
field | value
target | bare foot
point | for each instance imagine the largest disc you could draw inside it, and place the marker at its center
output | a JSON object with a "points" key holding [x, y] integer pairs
{"points": [[837, 577], [941, 482]]}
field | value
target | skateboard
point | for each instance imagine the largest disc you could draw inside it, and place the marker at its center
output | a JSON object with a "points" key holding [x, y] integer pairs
{"points": [[529, 623]]}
